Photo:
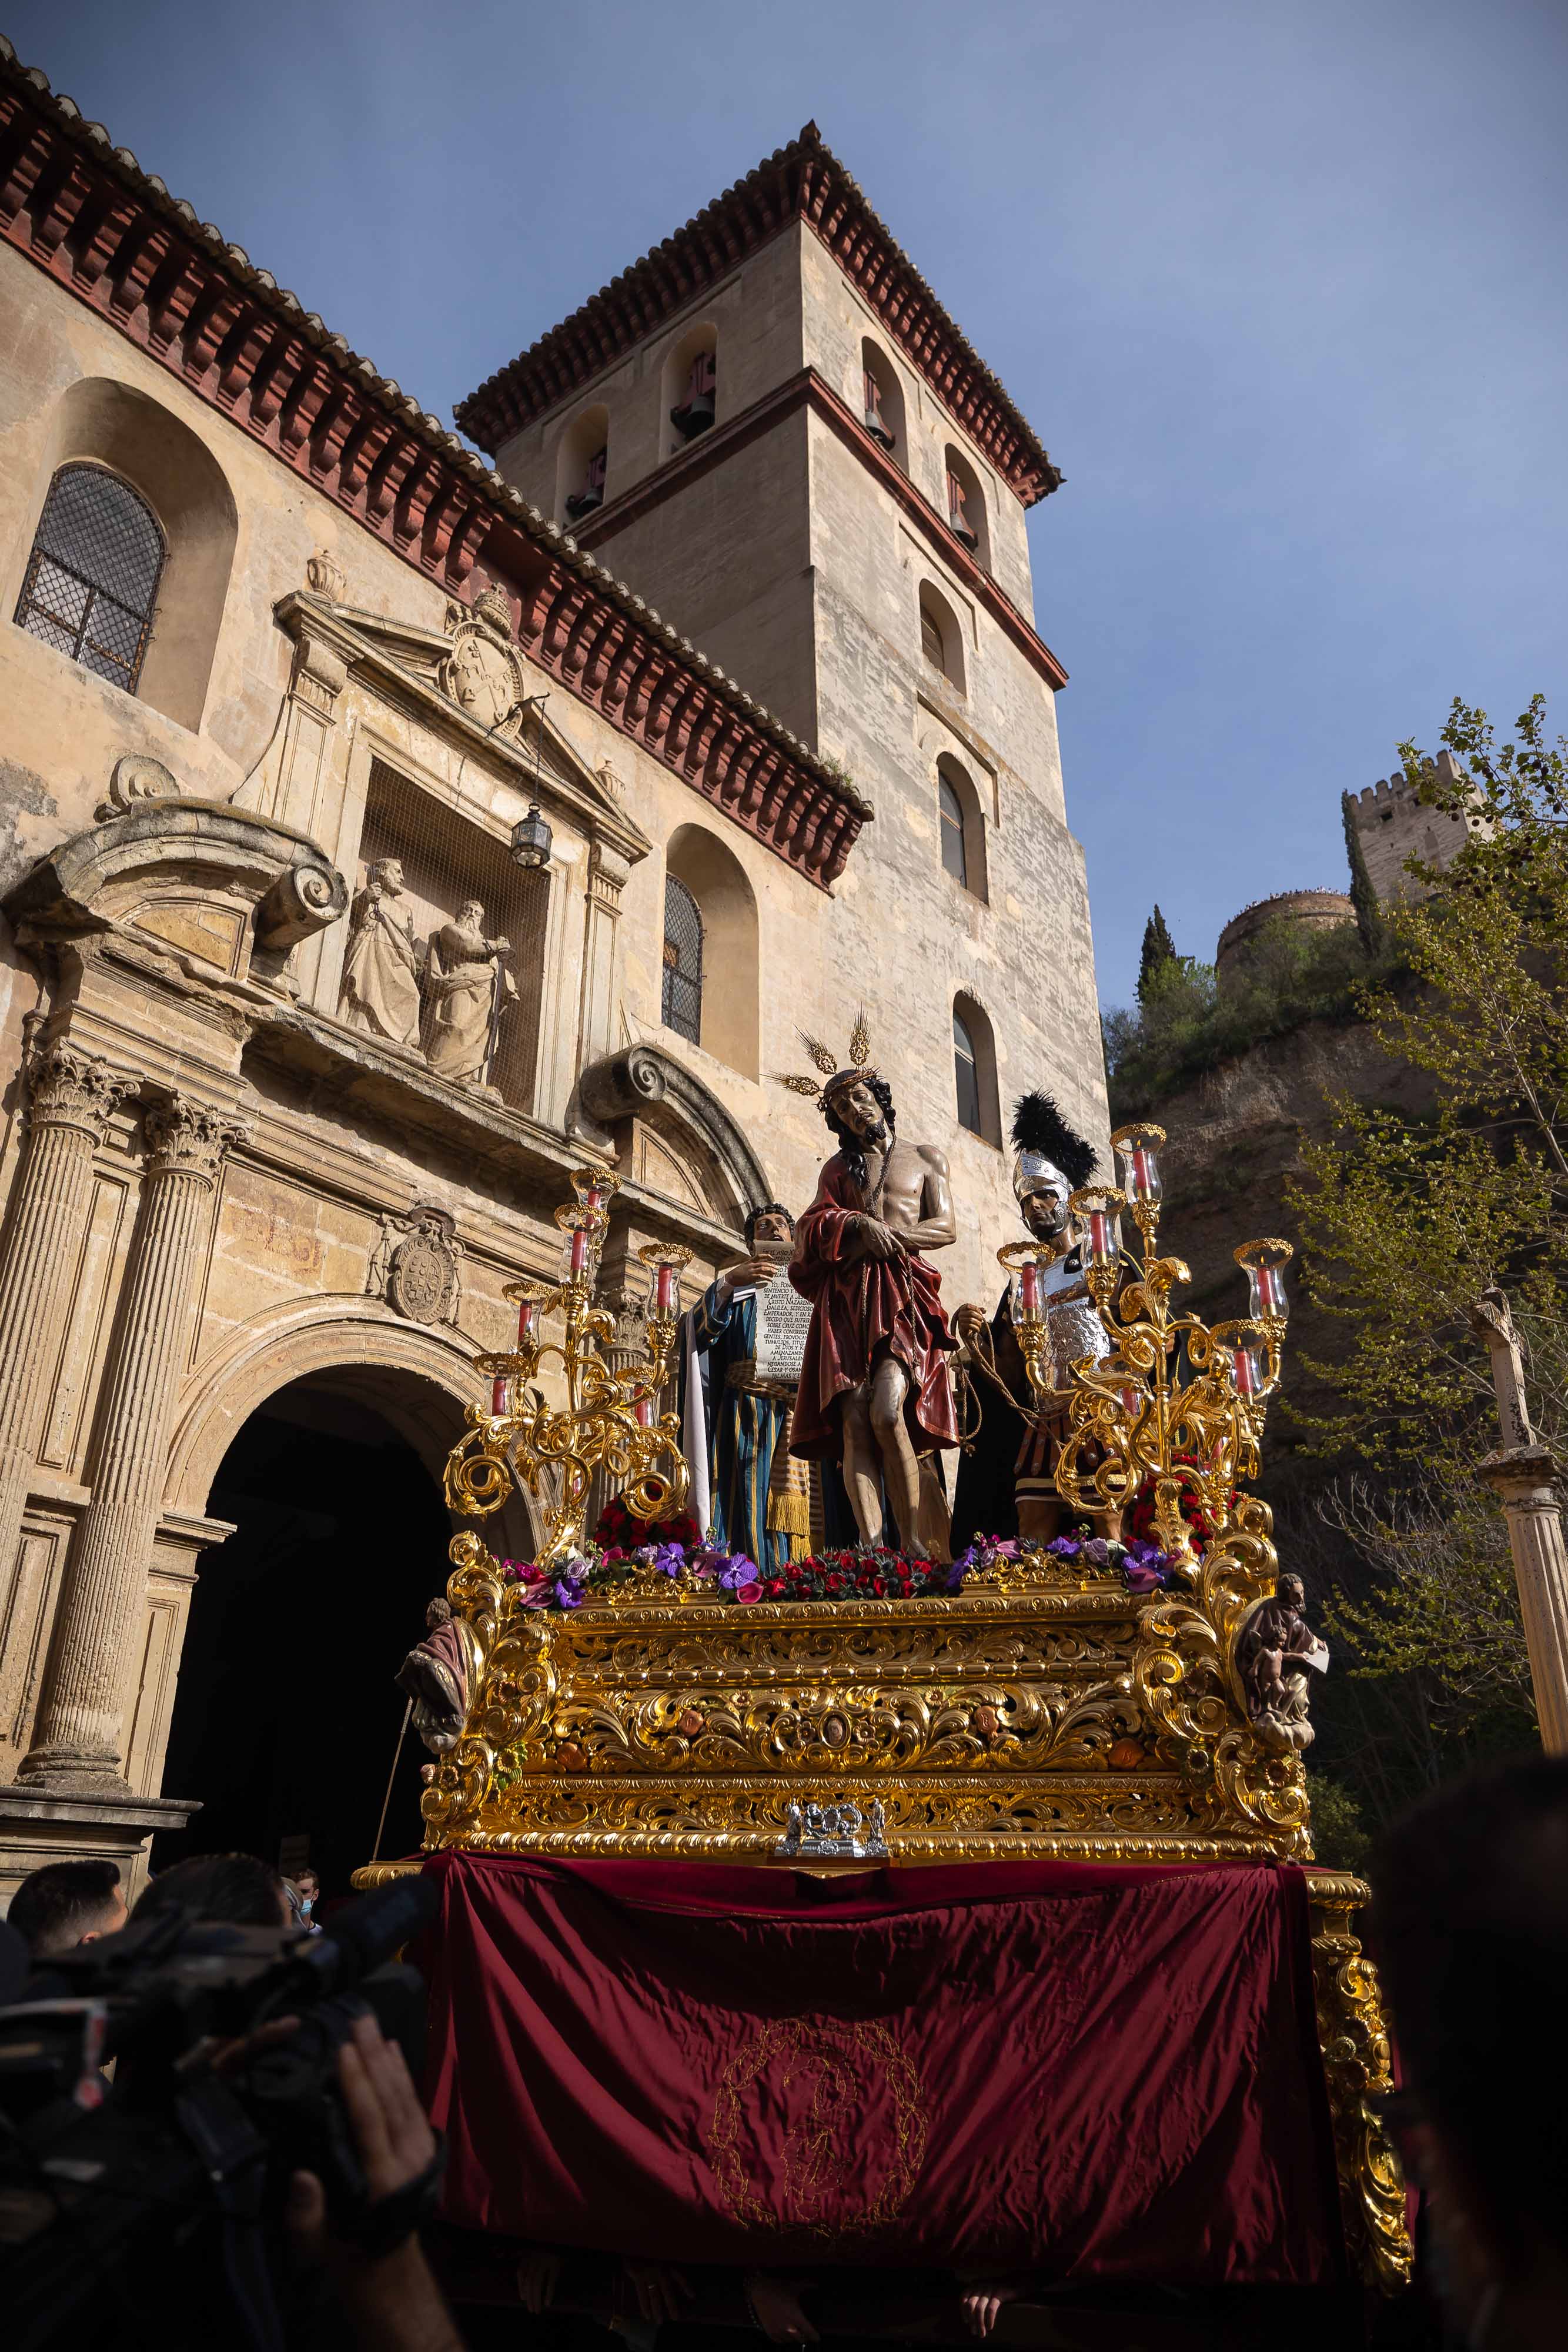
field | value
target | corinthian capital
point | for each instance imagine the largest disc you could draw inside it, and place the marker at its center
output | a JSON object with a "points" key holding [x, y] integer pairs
{"points": [[69, 1088], [190, 1139]]}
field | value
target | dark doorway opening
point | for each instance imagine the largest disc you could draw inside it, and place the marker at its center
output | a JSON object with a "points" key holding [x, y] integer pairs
{"points": [[287, 1716]]}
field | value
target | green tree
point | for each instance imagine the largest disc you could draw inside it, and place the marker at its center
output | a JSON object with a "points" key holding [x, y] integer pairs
{"points": [[1406, 1216], [1159, 950]]}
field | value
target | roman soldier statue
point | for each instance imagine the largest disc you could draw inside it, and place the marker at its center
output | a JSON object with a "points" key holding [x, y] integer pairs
{"points": [[875, 1393], [1006, 1481]]}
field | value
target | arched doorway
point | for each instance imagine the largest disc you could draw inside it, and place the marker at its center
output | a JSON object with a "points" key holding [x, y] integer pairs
{"points": [[287, 1715]]}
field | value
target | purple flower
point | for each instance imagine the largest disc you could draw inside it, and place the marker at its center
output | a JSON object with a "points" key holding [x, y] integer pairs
{"points": [[569, 1591], [668, 1558], [1097, 1551], [740, 1571], [1143, 1580], [954, 1576], [1064, 1548]]}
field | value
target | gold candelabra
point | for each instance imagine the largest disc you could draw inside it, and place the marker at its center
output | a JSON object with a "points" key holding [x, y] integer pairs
{"points": [[609, 1422], [1177, 1402]]}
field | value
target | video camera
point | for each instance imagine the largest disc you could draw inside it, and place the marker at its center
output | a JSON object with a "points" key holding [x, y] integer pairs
{"points": [[190, 2153]]}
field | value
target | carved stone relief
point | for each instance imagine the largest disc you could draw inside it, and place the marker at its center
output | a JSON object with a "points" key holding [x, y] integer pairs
{"points": [[415, 1266]]}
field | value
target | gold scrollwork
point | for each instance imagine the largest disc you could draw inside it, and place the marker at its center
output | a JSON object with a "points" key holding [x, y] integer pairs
{"points": [[1358, 2067]]}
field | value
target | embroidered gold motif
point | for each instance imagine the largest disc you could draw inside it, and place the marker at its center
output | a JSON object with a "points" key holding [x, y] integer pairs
{"points": [[838, 2062]]}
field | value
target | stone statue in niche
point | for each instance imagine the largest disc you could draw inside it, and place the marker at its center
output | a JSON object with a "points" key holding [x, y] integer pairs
{"points": [[468, 992], [381, 972]]}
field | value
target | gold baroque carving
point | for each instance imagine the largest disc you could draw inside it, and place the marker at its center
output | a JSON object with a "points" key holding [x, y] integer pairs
{"points": [[1358, 2067]]}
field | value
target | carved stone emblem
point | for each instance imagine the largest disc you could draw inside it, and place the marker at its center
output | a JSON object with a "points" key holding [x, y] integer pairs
{"points": [[415, 1267], [484, 673]]}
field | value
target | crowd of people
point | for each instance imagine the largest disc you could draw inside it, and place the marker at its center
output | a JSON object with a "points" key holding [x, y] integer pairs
{"points": [[1471, 1932]]}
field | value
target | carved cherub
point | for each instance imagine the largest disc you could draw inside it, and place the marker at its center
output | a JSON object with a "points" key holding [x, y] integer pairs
{"points": [[1277, 1654]]}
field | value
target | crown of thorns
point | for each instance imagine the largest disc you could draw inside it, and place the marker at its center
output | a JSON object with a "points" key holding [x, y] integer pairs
{"points": [[834, 1079]]}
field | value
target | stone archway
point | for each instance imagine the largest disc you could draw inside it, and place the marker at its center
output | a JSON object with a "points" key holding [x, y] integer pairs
{"points": [[319, 1440]]}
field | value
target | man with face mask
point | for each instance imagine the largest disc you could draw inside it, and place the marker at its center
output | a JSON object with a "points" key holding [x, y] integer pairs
{"points": [[1005, 1483]]}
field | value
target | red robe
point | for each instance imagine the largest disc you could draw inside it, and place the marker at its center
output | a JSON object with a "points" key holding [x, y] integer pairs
{"points": [[859, 1307]]}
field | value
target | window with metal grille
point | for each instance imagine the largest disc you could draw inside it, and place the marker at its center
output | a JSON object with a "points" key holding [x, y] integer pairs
{"points": [[953, 856], [447, 861], [680, 1005], [966, 1075], [92, 577]]}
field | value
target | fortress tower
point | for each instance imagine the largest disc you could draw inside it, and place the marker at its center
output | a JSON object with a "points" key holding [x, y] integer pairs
{"points": [[1392, 825], [771, 429]]}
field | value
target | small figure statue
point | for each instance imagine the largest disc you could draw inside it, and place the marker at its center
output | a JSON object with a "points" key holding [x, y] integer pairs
{"points": [[468, 988], [440, 1675], [874, 1387], [1007, 1479], [382, 968], [737, 1406], [1277, 1654]]}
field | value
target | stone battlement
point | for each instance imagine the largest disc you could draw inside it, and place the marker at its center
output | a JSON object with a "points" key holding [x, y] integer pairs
{"points": [[1392, 825]]}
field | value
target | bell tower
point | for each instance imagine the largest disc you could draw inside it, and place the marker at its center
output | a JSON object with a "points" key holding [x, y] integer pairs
{"points": [[771, 429]]}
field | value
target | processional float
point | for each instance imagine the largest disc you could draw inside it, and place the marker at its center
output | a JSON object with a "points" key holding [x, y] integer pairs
{"points": [[1036, 1706]]}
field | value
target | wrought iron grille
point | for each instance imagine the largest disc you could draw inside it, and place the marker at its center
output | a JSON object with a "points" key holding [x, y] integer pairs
{"points": [[682, 1001], [92, 578]]}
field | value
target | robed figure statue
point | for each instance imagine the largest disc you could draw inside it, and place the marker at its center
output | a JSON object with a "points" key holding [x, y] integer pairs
{"points": [[759, 1496], [382, 968], [468, 988], [875, 1393]]}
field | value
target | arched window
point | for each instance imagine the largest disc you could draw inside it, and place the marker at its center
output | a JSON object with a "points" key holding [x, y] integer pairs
{"points": [[953, 856], [689, 387], [975, 1071], [680, 1005], [711, 926], [963, 825], [940, 641], [92, 579], [883, 397], [966, 1075], [966, 506], [582, 463]]}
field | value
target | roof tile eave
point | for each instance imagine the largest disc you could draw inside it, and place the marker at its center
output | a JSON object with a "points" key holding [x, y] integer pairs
{"points": [[484, 488], [503, 403]]}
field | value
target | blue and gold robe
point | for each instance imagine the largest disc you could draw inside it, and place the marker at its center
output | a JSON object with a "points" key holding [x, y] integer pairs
{"points": [[747, 1428]]}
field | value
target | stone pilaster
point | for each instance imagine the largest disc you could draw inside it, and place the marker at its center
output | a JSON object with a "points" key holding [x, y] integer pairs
{"points": [[72, 1097], [1523, 1480], [608, 873], [80, 1737]]}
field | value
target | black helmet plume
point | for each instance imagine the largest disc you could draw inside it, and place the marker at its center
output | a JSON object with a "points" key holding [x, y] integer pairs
{"points": [[1039, 1125]]}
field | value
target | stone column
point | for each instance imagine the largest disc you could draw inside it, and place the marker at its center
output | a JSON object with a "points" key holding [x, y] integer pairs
{"points": [[608, 873], [72, 1095], [1521, 1476], [77, 1743]]}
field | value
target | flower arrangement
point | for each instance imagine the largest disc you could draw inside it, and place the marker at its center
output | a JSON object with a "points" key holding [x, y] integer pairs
{"points": [[618, 1531], [868, 1572], [1140, 1518]]}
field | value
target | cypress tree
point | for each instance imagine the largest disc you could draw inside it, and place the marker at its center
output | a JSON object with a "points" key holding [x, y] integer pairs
{"points": [[1159, 949], [1363, 897]]}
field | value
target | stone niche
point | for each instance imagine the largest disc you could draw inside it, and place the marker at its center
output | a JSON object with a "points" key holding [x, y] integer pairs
{"points": [[447, 863]]}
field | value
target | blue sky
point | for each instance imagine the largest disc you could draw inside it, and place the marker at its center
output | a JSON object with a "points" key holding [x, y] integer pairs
{"points": [[1280, 286]]}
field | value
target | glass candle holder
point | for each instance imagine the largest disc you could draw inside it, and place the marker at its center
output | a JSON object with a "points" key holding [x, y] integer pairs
{"points": [[1098, 1208], [1246, 1371], [500, 1396], [1028, 1298], [643, 1410], [1138, 1147], [1264, 1263]]}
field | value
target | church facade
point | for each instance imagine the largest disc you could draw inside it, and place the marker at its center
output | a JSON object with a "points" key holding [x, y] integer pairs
{"points": [[388, 827]]}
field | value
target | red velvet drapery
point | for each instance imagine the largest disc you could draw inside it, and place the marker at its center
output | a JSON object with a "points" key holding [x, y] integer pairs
{"points": [[1096, 2072]]}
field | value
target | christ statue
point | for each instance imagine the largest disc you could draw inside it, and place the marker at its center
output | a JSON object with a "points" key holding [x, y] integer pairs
{"points": [[875, 1389]]}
